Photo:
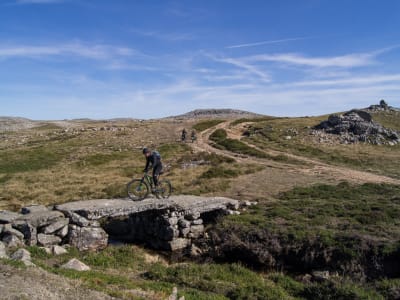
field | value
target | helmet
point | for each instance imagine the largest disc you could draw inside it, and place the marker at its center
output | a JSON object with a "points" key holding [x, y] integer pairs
{"points": [[145, 150]]}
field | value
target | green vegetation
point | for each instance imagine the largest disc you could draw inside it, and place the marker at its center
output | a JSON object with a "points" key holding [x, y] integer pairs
{"points": [[231, 281], [219, 137], [121, 270], [27, 160], [252, 120], [203, 125], [337, 215]]}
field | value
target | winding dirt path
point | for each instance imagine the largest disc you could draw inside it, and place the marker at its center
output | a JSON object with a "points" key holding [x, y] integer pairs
{"points": [[311, 166]]}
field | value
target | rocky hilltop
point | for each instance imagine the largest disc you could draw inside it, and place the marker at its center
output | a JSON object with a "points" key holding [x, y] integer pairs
{"points": [[217, 113], [15, 123], [357, 126]]}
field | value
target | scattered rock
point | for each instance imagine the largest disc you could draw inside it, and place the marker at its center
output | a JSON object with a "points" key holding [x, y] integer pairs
{"points": [[33, 208], [46, 249], [48, 240], [75, 264], [24, 256], [177, 244], [88, 238], [320, 275], [58, 250]]}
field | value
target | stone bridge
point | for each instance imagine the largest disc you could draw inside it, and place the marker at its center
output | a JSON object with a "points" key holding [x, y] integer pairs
{"points": [[168, 224]]}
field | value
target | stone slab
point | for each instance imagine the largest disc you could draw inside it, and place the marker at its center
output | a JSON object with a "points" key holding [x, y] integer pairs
{"points": [[97, 209], [8, 216], [40, 218]]}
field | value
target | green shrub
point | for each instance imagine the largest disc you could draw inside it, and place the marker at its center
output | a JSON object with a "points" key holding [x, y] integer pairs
{"points": [[201, 126]]}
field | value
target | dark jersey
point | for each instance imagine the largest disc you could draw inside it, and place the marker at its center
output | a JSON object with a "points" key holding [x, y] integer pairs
{"points": [[154, 159]]}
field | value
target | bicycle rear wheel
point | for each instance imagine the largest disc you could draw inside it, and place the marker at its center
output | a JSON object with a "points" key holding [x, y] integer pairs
{"points": [[137, 189], [164, 189]]}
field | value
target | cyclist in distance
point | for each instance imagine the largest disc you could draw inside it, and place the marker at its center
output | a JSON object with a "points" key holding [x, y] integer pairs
{"points": [[153, 158]]}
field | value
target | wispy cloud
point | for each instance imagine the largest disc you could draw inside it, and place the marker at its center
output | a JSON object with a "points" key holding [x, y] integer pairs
{"points": [[166, 36], [267, 42], [99, 51], [363, 80], [38, 1], [344, 61]]}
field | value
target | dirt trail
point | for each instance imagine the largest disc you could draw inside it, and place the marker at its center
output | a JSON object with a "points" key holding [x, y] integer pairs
{"points": [[311, 167]]}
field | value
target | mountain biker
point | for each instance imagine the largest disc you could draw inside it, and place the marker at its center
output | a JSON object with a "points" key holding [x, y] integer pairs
{"points": [[183, 136], [153, 158], [193, 136]]}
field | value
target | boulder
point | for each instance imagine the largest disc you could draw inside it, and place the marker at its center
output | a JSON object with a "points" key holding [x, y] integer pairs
{"points": [[29, 232], [184, 223], [177, 244], [75, 264], [184, 232], [58, 250], [168, 233], [8, 216], [12, 241], [33, 208], [196, 231], [87, 238], [1, 228], [192, 216], [63, 232], [77, 219], [46, 249], [48, 240], [3, 253], [7, 229], [24, 256], [41, 218], [197, 222], [55, 226]]}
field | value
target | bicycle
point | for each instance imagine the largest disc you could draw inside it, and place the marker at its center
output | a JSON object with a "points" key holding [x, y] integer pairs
{"points": [[139, 189]]}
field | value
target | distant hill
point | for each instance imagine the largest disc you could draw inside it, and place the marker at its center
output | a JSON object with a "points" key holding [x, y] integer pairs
{"points": [[15, 123], [217, 113]]}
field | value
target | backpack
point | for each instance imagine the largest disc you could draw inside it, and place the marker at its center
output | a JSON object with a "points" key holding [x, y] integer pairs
{"points": [[157, 154]]}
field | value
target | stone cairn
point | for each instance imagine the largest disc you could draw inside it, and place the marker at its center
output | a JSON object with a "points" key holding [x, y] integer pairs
{"points": [[353, 127]]}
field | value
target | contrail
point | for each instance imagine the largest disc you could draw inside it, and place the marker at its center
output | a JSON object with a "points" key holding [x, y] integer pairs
{"points": [[267, 42]]}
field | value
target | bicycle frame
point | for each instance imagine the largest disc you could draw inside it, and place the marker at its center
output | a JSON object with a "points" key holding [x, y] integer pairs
{"points": [[146, 177]]}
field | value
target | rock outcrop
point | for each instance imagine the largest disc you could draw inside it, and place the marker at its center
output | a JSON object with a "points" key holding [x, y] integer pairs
{"points": [[353, 127]]}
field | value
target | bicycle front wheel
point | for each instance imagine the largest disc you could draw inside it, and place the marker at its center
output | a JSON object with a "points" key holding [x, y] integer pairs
{"points": [[137, 189], [164, 189]]}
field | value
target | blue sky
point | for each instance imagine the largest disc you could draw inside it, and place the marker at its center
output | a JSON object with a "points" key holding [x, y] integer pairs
{"points": [[63, 59]]}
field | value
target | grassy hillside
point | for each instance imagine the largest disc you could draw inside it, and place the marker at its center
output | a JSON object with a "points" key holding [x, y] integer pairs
{"points": [[320, 220]]}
